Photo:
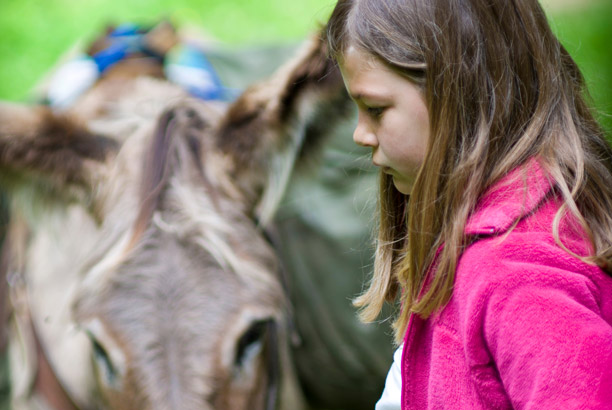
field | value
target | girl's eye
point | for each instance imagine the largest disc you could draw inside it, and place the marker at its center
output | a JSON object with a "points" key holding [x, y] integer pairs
{"points": [[375, 112]]}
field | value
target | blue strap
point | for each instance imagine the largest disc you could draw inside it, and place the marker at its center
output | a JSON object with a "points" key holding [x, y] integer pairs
{"points": [[110, 56], [126, 39], [185, 65]]}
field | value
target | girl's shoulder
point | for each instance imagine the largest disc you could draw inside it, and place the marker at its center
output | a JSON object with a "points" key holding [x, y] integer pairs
{"points": [[525, 268], [513, 247], [512, 238], [536, 311], [529, 258]]}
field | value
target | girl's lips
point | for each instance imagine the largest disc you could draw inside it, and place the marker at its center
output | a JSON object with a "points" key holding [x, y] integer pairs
{"points": [[383, 168]]}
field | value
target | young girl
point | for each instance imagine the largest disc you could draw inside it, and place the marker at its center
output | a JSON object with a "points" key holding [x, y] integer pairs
{"points": [[495, 203]]}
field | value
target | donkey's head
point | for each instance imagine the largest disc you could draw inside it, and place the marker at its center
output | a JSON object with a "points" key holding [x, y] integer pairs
{"points": [[148, 279]]}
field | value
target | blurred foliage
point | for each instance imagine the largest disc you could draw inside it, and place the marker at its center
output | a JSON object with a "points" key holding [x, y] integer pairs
{"points": [[34, 33], [586, 34]]}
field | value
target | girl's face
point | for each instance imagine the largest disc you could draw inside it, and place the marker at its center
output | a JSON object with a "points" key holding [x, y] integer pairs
{"points": [[393, 118]]}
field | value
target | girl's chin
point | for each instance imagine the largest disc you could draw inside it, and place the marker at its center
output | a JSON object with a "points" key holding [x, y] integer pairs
{"points": [[402, 185]]}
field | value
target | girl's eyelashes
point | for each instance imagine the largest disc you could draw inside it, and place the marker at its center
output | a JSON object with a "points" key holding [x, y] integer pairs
{"points": [[375, 112]]}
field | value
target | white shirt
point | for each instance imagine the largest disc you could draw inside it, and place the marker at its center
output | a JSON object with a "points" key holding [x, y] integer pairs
{"points": [[392, 394]]}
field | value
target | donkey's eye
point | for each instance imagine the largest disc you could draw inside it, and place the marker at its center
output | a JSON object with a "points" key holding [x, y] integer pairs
{"points": [[103, 362], [108, 358], [251, 342]]}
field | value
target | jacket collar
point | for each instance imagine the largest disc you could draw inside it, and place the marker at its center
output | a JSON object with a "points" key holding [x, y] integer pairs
{"points": [[516, 195]]}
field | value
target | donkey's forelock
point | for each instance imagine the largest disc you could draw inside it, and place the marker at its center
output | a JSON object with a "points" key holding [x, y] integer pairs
{"points": [[177, 196], [225, 232], [160, 158]]}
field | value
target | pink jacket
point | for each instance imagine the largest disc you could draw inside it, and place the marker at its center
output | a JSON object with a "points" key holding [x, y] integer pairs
{"points": [[528, 327]]}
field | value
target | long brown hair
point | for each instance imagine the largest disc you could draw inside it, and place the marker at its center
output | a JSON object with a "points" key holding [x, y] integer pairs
{"points": [[500, 89]]}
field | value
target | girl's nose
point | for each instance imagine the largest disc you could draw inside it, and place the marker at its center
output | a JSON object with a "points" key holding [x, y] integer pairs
{"points": [[364, 136]]}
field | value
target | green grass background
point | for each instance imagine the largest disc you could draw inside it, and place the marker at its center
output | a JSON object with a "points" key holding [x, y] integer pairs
{"points": [[34, 33], [587, 34]]}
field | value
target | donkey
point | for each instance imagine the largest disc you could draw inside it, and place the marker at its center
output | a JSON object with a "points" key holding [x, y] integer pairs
{"points": [[140, 274]]}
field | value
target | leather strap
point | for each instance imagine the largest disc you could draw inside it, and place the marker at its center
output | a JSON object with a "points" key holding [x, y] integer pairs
{"points": [[273, 367]]}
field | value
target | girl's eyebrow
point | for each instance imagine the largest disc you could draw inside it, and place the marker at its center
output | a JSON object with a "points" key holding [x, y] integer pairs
{"points": [[361, 95]]}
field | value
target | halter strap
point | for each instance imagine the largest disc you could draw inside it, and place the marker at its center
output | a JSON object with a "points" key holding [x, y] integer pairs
{"points": [[125, 40], [273, 366]]}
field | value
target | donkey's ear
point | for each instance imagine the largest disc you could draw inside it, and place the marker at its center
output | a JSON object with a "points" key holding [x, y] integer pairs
{"points": [[49, 156], [267, 127]]}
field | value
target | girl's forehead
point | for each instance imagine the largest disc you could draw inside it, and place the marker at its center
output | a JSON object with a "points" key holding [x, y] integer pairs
{"points": [[354, 58], [368, 78]]}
